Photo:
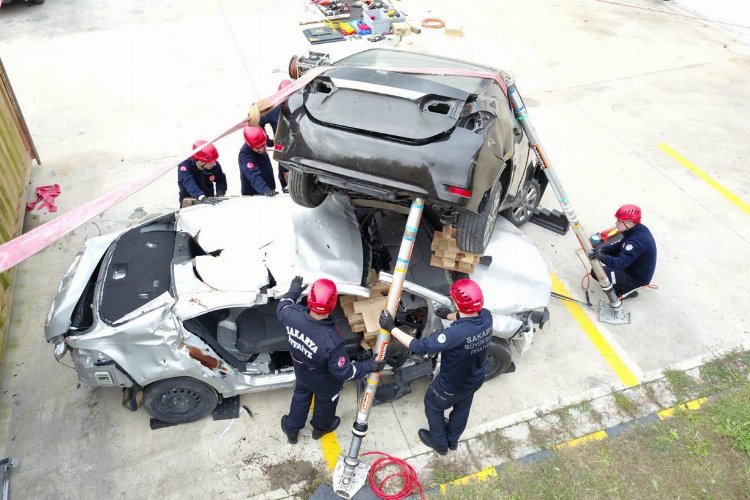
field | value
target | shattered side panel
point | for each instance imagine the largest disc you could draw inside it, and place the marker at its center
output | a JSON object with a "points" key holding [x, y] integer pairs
{"points": [[518, 278]]}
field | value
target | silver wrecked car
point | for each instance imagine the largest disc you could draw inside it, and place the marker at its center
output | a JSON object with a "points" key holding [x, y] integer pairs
{"points": [[182, 307]]}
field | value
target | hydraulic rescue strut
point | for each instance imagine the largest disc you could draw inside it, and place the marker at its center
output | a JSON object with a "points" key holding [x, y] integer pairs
{"points": [[350, 474], [608, 313]]}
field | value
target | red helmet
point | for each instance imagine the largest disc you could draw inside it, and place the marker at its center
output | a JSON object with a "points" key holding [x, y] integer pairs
{"points": [[254, 136], [285, 83], [629, 212], [467, 295], [207, 153], [322, 297]]}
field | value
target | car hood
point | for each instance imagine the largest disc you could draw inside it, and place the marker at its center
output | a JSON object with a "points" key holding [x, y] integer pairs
{"points": [[247, 238], [410, 108], [516, 278]]}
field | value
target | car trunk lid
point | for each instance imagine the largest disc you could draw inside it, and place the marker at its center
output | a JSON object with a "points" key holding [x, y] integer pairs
{"points": [[384, 103]]}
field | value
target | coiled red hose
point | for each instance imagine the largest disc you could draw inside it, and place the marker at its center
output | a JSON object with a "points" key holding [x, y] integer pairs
{"points": [[409, 475]]}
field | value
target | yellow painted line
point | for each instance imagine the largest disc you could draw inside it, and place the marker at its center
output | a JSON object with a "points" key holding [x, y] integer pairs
{"points": [[620, 368], [331, 449], [594, 436], [702, 175], [690, 405], [477, 476]]}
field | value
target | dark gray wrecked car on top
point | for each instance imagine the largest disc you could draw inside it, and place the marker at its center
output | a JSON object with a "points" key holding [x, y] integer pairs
{"points": [[183, 306], [374, 132]]}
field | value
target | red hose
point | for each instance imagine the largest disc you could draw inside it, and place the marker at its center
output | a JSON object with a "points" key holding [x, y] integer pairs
{"points": [[409, 475]]}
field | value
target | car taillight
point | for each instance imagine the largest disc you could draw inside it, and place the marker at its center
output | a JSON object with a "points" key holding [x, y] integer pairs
{"points": [[278, 147], [459, 191]]}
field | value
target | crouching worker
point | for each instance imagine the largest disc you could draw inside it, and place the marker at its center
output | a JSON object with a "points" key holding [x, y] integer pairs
{"points": [[200, 177], [630, 262], [321, 364], [463, 347]]}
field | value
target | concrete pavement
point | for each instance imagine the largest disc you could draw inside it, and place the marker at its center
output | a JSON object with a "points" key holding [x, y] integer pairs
{"points": [[111, 90]]}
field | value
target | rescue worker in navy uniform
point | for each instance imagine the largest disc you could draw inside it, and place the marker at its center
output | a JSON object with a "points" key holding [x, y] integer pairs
{"points": [[272, 118], [201, 177], [630, 262], [321, 364], [256, 172], [463, 347]]}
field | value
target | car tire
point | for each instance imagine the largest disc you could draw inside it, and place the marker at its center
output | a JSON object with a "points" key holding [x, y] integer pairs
{"points": [[498, 360], [521, 214], [179, 400], [305, 189], [473, 231]]}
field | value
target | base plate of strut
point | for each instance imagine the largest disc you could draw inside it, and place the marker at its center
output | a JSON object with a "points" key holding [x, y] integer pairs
{"points": [[612, 316], [355, 482]]}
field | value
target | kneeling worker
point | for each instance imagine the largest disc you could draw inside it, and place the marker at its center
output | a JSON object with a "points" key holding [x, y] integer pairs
{"points": [[200, 177], [464, 350], [630, 262], [321, 364]]}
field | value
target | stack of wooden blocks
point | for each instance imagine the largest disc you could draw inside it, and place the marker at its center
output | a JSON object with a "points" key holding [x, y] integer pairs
{"points": [[445, 252], [363, 314]]}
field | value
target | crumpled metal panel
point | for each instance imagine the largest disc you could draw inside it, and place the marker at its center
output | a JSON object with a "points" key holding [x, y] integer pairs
{"points": [[518, 278], [257, 234], [73, 283]]}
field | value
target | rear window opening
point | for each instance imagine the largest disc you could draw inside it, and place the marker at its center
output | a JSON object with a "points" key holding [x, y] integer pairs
{"points": [[137, 270]]}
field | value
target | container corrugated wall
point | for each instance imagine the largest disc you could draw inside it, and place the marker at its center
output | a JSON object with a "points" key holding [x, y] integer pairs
{"points": [[16, 153]]}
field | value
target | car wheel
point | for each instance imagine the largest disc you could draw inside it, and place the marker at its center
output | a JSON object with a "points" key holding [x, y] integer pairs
{"points": [[473, 231], [305, 189], [522, 213], [498, 358], [179, 400]]}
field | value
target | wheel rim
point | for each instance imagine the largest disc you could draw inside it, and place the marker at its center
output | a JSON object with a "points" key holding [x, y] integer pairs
{"points": [[179, 401], [528, 203], [490, 364]]}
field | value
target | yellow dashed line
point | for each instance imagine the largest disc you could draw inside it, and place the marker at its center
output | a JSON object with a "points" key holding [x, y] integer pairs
{"points": [[331, 449], [594, 436], [690, 405], [620, 368], [477, 476], [702, 175]]}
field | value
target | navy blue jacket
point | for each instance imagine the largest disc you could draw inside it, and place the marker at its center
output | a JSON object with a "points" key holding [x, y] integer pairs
{"points": [[635, 254], [464, 350], [317, 350], [271, 118], [256, 172], [194, 183]]}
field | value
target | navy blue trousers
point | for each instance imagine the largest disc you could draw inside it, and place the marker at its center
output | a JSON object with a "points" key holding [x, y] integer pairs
{"points": [[323, 413], [621, 280], [436, 401]]}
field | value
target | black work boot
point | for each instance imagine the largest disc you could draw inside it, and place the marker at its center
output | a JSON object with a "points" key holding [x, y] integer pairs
{"points": [[426, 438], [317, 434], [451, 444], [290, 436]]}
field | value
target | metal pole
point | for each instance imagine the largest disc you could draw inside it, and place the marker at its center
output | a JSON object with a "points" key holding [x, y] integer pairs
{"points": [[349, 474], [613, 313]]}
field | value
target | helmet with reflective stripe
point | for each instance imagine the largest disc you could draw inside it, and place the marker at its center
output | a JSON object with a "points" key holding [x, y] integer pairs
{"points": [[207, 153], [323, 296], [254, 136], [467, 295], [629, 212]]}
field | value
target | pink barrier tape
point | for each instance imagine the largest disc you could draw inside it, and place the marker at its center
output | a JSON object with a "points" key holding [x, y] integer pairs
{"points": [[26, 245]]}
